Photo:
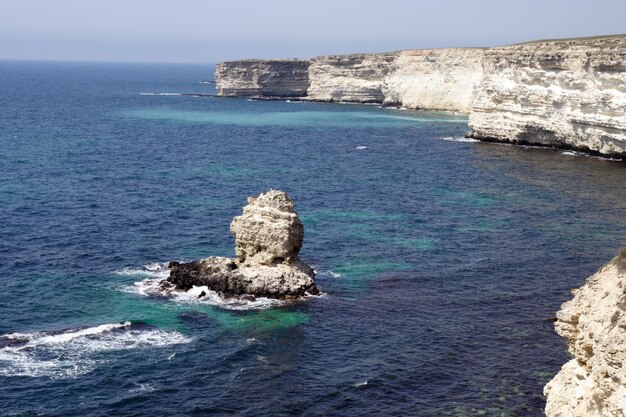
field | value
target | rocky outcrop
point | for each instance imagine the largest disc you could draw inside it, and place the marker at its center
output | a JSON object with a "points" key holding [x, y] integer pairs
{"points": [[593, 384], [268, 238], [280, 78], [568, 94]]}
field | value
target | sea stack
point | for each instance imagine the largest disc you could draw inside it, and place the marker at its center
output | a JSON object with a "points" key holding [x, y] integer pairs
{"points": [[268, 238], [593, 384]]}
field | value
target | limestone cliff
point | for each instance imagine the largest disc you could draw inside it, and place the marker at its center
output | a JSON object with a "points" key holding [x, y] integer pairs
{"points": [[262, 78], [436, 79], [564, 93], [593, 384], [569, 93], [355, 78]]}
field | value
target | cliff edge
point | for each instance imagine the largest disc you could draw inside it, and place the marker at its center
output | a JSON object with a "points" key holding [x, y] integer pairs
{"points": [[568, 94], [593, 384]]}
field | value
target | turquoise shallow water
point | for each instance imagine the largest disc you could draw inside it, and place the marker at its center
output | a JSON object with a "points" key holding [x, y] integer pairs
{"points": [[440, 259]]}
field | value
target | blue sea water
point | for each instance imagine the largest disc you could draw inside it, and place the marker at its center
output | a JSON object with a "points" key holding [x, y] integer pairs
{"points": [[440, 259]]}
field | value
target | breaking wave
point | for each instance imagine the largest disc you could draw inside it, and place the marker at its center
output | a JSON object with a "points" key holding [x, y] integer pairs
{"points": [[459, 139], [202, 295], [154, 270], [160, 94], [73, 352]]}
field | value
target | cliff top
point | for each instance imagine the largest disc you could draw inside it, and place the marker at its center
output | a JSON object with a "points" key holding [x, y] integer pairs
{"points": [[582, 39], [590, 39]]}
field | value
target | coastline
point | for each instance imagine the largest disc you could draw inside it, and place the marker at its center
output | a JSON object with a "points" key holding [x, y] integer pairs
{"points": [[565, 94]]}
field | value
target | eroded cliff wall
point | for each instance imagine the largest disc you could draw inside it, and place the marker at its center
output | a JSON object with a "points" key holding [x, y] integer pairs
{"points": [[434, 79], [569, 93], [262, 78], [564, 93], [593, 383], [357, 78]]}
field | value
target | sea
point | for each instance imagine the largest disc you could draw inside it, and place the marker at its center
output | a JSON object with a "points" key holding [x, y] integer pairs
{"points": [[441, 260]]}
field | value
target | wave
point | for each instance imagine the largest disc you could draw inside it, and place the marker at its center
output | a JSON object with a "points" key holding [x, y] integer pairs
{"points": [[460, 139], [202, 295], [73, 352], [155, 270], [328, 273], [160, 94], [576, 153]]}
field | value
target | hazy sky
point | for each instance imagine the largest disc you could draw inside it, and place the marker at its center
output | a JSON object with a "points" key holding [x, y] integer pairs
{"points": [[210, 31]]}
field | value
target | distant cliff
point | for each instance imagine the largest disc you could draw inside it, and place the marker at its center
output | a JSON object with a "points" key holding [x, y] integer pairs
{"points": [[280, 78], [593, 383], [565, 93], [437, 79]]}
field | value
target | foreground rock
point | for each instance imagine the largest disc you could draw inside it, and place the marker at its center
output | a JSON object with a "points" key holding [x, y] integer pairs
{"points": [[268, 238], [593, 384]]}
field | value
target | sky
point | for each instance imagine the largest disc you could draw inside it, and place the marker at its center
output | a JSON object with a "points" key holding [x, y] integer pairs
{"points": [[207, 31]]}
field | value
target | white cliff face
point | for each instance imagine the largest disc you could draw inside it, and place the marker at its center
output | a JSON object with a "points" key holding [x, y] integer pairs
{"points": [[355, 78], [436, 79], [566, 94], [569, 94], [262, 78], [593, 384]]}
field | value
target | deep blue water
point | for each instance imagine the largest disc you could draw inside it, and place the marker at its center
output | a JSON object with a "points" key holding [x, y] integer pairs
{"points": [[441, 260]]}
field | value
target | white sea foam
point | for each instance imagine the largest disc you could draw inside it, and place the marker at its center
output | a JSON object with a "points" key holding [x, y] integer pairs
{"points": [[360, 147], [202, 295], [141, 388], [328, 273], [460, 139], [576, 153], [160, 94], [154, 270], [75, 352]]}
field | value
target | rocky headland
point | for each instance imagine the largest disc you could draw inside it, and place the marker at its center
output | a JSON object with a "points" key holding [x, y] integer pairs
{"points": [[593, 383], [268, 238], [568, 94]]}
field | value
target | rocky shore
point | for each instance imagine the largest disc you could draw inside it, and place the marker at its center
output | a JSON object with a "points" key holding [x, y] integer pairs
{"points": [[568, 94], [593, 383], [268, 238]]}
